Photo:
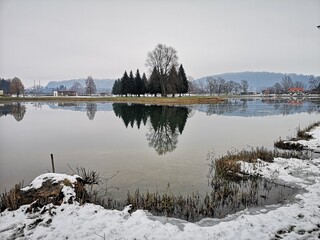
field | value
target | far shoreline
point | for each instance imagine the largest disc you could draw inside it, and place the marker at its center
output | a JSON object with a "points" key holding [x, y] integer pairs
{"points": [[185, 100]]}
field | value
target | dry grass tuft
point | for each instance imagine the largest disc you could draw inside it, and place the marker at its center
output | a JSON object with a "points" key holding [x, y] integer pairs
{"points": [[11, 200], [287, 145], [229, 166], [302, 134]]}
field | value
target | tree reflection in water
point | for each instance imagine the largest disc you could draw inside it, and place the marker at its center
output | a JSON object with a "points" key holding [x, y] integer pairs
{"points": [[91, 110], [165, 123], [260, 107], [17, 110]]}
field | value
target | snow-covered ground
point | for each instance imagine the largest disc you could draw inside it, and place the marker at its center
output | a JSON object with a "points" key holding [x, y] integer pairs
{"points": [[297, 220]]}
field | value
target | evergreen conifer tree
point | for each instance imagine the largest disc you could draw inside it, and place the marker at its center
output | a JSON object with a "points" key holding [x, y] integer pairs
{"points": [[154, 86], [116, 89], [144, 84], [132, 84], [138, 84], [183, 81], [125, 84], [5, 85], [173, 81]]}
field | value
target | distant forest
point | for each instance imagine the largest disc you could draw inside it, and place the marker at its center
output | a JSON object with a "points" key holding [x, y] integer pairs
{"points": [[256, 82]]}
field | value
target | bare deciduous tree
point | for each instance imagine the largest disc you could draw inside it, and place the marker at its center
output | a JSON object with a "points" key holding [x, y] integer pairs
{"points": [[163, 58], [218, 85], [90, 86], [286, 83], [236, 87], [277, 88], [16, 86], [314, 82], [212, 85], [191, 85], [244, 86], [298, 84]]}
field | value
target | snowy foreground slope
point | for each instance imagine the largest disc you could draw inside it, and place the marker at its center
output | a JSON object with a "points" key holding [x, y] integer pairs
{"points": [[298, 220]]}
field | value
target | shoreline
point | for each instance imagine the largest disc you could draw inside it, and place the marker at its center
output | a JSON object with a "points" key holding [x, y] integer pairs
{"points": [[139, 100], [184, 100]]}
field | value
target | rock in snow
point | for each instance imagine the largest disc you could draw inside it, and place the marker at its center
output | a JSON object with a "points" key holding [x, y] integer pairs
{"points": [[297, 220]]}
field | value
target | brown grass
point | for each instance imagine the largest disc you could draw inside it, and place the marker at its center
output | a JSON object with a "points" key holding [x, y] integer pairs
{"points": [[11, 200], [186, 100], [287, 145], [229, 166], [302, 134]]}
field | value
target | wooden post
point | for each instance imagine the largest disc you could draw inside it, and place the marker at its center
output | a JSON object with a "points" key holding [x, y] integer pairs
{"points": [[52, 163]]}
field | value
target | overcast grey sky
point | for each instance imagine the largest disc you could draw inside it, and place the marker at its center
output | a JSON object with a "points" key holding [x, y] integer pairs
{"points": [[64, 39]]}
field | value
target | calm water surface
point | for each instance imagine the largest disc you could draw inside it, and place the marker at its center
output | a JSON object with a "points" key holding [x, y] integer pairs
{"points": [[150, 146]]}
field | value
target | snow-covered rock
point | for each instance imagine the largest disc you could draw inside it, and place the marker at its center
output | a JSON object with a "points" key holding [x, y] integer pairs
{"points": [[48, 188]]}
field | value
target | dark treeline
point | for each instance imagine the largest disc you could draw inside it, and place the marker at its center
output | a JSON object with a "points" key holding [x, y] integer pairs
{"points": [[165, 123], [12, 86], [175, 83], [5, 86]]}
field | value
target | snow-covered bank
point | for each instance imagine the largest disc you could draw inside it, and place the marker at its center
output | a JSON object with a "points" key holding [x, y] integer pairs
{"points": [[298, 220]]}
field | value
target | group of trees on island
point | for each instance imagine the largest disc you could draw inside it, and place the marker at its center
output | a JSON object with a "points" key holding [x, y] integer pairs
{"points": [[174, 83], [165, 78]]}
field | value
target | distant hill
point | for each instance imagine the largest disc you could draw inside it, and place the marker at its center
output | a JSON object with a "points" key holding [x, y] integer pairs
{"points": [[102, 84], [259, 80]]}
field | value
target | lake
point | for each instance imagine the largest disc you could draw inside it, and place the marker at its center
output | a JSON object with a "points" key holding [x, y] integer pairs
{"points": [[151, 147]]}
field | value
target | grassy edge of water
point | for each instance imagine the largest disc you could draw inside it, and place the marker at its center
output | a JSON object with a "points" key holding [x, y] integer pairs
{"points": [[292, 143], [192, 207]]}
